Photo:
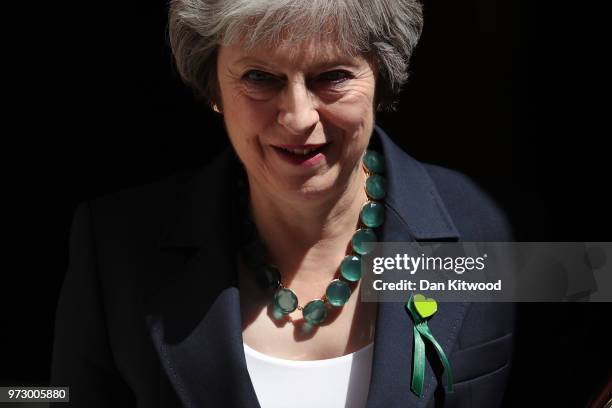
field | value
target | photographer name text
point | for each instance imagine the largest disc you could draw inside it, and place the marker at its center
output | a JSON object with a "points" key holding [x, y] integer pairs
{"points": [[449, 285]]}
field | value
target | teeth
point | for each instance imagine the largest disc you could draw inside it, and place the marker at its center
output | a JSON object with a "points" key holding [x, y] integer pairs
{"points": [[300, 151]]}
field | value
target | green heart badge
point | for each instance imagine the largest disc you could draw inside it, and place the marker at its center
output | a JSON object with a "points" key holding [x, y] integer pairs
{"points": [[425, 306]]}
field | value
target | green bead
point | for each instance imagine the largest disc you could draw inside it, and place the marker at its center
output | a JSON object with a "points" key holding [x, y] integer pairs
{"points": [[268, 277], [373, 214], [376, 186], [350, 268], [374, 161], [338, 292], [285, 300], [315, 312], [360, 237]]}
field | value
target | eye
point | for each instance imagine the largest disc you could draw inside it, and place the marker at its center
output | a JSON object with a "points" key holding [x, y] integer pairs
{"points": [[335, 77], [258, 77]]}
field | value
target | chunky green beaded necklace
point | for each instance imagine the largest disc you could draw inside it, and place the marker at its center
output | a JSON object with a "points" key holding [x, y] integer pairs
{"points": [[338, 291]]}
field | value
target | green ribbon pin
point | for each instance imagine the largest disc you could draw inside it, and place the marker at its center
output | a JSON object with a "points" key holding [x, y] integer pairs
{"points": [[420, 309]]}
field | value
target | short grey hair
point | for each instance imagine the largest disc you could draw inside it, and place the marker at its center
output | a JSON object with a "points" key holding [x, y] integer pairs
{"points": [[387, 30]]}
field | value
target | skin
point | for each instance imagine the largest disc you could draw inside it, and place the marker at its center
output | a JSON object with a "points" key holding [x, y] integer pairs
{"points": [[308, 93]]}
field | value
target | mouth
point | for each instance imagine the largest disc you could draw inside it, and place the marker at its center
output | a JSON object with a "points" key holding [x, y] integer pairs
{"points": [[302, 154], [301, 149]]}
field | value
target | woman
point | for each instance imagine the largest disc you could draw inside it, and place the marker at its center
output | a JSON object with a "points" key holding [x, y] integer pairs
{"points": [[164, 303]]}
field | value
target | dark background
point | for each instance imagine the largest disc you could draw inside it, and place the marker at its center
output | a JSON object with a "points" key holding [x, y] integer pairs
{"points": [[500, 90]]}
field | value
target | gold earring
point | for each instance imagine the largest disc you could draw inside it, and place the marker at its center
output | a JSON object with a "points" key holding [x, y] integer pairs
{"points": [[215, 107]]}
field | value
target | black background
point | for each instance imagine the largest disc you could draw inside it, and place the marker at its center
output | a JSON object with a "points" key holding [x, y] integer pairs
{"points": [[504, 91]]}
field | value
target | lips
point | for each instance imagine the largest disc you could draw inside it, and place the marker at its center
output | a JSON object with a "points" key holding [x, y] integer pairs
{"points": [[303, 155], [303, 150]]}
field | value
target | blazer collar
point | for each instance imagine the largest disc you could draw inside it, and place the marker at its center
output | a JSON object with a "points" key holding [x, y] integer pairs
{"points": [[412, 193], [193, 312]]}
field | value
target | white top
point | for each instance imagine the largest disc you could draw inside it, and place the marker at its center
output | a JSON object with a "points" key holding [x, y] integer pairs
{"points": [[331, 383]]}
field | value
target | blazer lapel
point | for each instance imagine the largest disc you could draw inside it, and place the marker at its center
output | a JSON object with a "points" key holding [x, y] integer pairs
{"points": [[414, 212], [193, 313]]}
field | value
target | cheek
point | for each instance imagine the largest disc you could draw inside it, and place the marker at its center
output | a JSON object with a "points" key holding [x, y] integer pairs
{"points": [[245, 122], [245, 115], [245, 119], [353, 113]]}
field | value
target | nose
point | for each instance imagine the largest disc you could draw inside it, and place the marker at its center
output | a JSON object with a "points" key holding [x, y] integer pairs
{"points": [[297, 108]]}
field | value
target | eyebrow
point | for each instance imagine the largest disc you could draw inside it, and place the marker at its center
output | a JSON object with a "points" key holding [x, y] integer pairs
{"points": [[318, 66]]}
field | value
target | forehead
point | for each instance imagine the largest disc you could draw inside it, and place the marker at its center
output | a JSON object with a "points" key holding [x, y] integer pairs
{"points": [[309, 54]]}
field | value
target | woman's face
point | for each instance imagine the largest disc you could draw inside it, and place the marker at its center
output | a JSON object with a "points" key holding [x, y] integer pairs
{"points": [[281, 103]]}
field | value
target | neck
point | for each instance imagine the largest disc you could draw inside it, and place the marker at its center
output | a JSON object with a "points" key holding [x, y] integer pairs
{"points": [[307, 239]]}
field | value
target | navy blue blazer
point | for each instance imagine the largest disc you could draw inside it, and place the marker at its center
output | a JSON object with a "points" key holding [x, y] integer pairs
{"points": [[149, 311]]}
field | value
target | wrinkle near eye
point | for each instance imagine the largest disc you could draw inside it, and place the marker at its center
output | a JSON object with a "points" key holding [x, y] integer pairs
{"points": [[232, 76]]}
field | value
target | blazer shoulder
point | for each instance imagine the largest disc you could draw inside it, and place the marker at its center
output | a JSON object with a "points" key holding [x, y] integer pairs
{"points": [[140, 216], [476, 214], [159, 194], [146, 201]]}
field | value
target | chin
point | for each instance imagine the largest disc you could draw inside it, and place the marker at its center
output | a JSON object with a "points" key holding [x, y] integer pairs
{"points": [[317, 187]]}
